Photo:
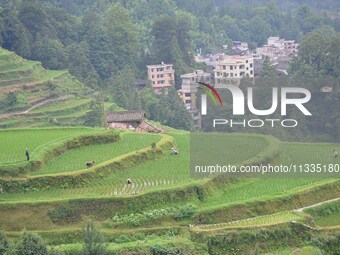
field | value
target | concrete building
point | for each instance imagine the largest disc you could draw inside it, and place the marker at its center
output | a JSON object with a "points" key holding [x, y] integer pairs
{"points": [[161, 76], [189, 87], [232, 69], [188, 93], [240, 48], [211, 59], [276, 47], [291, 46]]}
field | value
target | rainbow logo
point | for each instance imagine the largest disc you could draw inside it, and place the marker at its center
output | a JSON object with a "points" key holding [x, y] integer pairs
{"points": [[211, 91]]}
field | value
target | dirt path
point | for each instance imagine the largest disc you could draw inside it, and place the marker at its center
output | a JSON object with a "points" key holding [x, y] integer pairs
{"points": [[315, 205], [252, 218], [8, 115]]}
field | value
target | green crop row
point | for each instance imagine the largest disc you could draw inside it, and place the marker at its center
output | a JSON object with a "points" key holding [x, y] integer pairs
{"points": [[81, 177], [43, 144]]}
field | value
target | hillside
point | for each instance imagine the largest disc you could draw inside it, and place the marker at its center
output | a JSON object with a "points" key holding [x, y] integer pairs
{"points": [[164, 208], [33, 95]]}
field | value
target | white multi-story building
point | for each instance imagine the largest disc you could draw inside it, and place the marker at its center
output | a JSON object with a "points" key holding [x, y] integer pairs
{"points": [[232, 69], [189, 87], [188, 93]]}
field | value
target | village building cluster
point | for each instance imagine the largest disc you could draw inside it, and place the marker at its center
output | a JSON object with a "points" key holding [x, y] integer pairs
{"points": [[223, 69]]}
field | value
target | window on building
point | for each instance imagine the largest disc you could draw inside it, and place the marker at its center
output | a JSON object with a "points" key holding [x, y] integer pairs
{"points": [[247, 61], [153, 76], [193, 78], [168, 68], [251, 72], [153, 82], [251, 65], [188, 101], [247, 68], [151, 69], [231, 68], [224, 67], [231, 75], [170, 75], [187, 94]]}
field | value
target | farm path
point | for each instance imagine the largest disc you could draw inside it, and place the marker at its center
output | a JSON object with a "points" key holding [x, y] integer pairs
{"points": [[315, 205], [8, 115], [258, 217]]}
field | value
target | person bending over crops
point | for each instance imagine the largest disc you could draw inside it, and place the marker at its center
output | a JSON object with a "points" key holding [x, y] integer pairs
{"points": [[174, 151], [27, 154], [90, 163], [335, 153], [129, 181]]}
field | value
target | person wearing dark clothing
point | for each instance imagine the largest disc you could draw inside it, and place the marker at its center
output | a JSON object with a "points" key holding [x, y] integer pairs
{"points": [[27, 155], [335, 153]]}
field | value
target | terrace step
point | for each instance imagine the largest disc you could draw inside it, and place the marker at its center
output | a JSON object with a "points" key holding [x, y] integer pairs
{"points": [[138, 186]]}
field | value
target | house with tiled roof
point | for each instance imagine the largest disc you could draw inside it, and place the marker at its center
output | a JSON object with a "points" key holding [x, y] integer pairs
{"points": [[132, 120]]}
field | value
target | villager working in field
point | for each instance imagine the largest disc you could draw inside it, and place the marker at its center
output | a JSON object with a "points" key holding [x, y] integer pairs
{"points": [[27, 154], [174, 151], [335, 153], [90, 163], [129, 181]]}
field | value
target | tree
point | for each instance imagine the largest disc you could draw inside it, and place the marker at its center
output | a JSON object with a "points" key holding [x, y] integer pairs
{"points": [[80, 66], [259, 30], [177, 60], [33, 17], [93, 241], [50, 51], [95, 117], [123, 38], [16, 37], [320, 50], [31, 244], [122, 87]]}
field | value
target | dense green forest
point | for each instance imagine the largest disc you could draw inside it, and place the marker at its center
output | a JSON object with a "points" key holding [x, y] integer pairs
{"points": [[107, 44]]}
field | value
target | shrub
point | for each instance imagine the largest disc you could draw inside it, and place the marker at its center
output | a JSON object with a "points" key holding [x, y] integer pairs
{"points": [[162, 250], [185, 212], [93, 241], [63, 213], [31, 244], [4, 244]]}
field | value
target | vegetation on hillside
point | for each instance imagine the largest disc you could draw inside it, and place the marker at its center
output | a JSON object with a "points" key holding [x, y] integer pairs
{"points": [[107, 44]]}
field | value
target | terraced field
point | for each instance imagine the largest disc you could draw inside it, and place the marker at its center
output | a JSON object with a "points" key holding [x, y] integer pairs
{"points": [[34, 84], [160, 181], [326, 215], [98, 153], [14, 141], [260, 221]]}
